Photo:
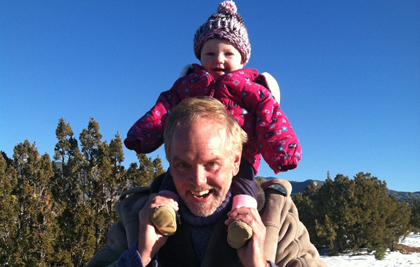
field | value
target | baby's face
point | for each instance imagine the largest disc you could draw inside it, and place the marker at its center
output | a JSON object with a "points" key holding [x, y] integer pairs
{"points": [[219, 57]]}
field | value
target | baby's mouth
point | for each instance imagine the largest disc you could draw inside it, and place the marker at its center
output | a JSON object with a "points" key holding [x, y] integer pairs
{"points": [[218, 70]]}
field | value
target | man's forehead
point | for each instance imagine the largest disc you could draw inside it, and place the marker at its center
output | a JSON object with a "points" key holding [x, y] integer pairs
{"points": [[208, 135], [187, 157], [201, 121]]}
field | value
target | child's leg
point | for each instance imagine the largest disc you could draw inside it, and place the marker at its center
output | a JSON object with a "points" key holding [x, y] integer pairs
{"points": [[168, 187], [243, 183], [245, 194], [164, 217]]}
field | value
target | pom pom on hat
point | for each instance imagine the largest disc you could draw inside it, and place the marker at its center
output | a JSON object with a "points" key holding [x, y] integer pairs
{"points": [[228, 7], [225, 24]]}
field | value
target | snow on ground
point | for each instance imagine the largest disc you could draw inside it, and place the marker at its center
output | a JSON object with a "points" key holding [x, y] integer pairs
{"points": [[392, 259]]}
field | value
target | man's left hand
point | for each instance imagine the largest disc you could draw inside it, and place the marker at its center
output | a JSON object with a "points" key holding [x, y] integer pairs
{"points": [[252, 253]]}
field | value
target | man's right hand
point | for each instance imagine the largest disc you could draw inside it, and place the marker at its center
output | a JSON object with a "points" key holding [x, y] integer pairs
{"points": [[150, 240]]}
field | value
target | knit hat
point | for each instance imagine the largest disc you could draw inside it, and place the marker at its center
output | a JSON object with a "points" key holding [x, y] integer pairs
{"points": [[225, 24]]}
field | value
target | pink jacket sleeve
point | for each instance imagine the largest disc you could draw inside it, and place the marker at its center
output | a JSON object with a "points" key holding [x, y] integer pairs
{"points": [[276, 139], [146, 135]]}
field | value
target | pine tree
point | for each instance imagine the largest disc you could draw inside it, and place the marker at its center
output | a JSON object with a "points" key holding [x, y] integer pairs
{"points": [[76, 241], [306, 210], [8, 211], [397, 221], [36, 218], [157, 166], [330, 208], [119, 182], [148, 170], [104, 178], [116, 150], [369, 205], [103, 197], [90, 140], [6, 158], [327, 232], [63, 185], [63, 133], [57, 213], [415, 214], [348, 214], [132, 175]]}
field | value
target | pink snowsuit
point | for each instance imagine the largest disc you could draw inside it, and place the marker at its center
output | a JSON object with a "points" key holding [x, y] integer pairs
{"points": [[248, 102]]}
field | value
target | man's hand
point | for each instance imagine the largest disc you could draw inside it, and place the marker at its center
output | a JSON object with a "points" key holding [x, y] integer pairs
{"points": [[252, 253], [150, 240]]}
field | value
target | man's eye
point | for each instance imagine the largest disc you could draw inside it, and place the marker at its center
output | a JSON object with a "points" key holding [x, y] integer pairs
{"points": [[211, 164], [182, 165]]}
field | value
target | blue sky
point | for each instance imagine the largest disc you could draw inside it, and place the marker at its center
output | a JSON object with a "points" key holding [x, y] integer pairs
{"points": [[349, 74]]}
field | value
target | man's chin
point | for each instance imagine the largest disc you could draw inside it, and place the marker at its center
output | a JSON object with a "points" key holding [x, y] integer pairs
{"points": [[201, 211], [204, 209]]}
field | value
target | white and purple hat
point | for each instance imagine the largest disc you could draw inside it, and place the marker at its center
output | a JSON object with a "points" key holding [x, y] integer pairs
{"points": [[225, 24]]}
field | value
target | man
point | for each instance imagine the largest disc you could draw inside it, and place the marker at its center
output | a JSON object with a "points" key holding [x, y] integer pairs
{"points": [[203, 145]]}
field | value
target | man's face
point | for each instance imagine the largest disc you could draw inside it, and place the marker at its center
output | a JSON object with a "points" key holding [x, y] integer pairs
{"points": [[219, 57], [201, 165]]}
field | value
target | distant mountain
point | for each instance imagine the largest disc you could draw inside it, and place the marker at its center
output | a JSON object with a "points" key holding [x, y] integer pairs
{"points": [[298, 187], [401, 196]]}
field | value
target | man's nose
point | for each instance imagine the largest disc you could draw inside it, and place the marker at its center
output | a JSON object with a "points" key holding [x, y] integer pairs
{"points": [[199, 176]]}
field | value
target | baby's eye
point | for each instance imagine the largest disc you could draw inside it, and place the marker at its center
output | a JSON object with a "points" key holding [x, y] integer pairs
{"points": [[209, 54]]}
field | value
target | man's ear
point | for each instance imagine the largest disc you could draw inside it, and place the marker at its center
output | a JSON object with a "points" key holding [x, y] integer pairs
{"points": [[169, 169], [236, 163]]}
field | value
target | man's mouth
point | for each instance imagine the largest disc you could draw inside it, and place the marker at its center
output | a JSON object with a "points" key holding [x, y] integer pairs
{"points": [[201, 194]]}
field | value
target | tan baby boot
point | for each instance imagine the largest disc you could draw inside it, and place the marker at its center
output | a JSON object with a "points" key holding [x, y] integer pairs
{"points": [[164, 219], [238, 233]]}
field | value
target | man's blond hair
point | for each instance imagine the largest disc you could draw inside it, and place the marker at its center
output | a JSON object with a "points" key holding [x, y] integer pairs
{"points": [[193, 109]]}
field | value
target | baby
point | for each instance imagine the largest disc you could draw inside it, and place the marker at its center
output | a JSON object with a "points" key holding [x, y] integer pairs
{"points": [[222, 46]]}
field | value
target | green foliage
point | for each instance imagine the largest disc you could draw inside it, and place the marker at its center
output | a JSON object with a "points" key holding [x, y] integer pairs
{"points": [[149, 169], [90, 140], [347, 214], [8, 208], [260, 179], [58, 213], [415, 213], [116, 150], [380, 252], [397, 222], [34, 217], [64, 134]]}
